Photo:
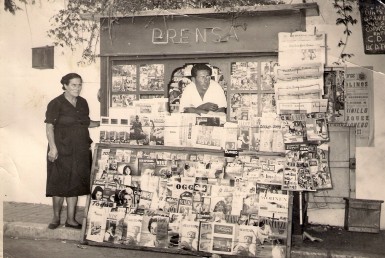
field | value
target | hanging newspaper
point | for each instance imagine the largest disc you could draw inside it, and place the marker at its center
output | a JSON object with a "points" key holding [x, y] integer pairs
{"points": [[359, 104], [301, 48], [299, 72], [302, 106]]}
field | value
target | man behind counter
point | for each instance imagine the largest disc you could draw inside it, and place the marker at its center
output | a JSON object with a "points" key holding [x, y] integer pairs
{"points": [[203, 94]]}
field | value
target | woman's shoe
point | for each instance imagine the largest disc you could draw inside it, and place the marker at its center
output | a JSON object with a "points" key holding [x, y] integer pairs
{"points": [[79, 226], [53, 225]]}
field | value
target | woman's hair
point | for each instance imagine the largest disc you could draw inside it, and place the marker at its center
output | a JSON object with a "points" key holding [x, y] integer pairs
{"points": [[124, 169], [66, 79], [200, 67], [96, 189], [150, 222]]}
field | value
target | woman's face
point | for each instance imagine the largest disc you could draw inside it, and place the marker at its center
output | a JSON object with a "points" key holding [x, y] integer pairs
{"points": [[128, 199], [74, 87], [127, 171], [98, 195], [153, 227]]}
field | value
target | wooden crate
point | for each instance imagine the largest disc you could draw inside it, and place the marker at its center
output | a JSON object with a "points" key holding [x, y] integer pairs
{"points": [[362, 215]]}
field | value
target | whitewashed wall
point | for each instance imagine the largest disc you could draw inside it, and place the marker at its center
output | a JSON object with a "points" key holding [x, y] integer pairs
{"points": [[25, 93]]}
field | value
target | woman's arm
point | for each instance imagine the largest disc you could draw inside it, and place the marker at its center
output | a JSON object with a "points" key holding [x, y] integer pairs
{"points": [[94, 124], [53, 153]]}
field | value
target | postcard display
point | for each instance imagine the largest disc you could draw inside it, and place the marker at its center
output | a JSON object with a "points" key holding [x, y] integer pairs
{"points": [[175, 181]]}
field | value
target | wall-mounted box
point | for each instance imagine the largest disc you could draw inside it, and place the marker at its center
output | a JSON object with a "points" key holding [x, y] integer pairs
{"points": [[43, 57], [362, 215]]}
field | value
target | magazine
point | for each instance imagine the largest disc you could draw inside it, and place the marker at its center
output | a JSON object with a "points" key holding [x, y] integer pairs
{"points": [[132, 229], [140, 129], [189, 232], [223, 238], [185, 206], [154, 231], [221, 199], [205, 236], [273, 205], [316, 127], [246, 242], [97, 218]]}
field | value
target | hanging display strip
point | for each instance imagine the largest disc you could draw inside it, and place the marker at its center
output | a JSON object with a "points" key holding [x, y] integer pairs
{"points": [[187, 201]]}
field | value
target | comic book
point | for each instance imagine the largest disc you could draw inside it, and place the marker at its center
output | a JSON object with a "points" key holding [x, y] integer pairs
{"points": [[171, 205], [243, 134], [185, 206], [209, 137], [316, 127], [205, 236], [189, 233], [132, 229], [294, 128], [223, 238], [230, 136]]}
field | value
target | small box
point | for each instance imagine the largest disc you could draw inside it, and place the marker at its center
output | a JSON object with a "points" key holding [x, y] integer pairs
{"points": [[43, 57], [362, 215]]}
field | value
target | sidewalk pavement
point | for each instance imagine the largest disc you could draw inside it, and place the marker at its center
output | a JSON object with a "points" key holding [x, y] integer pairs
{"points": [[26, 220]]}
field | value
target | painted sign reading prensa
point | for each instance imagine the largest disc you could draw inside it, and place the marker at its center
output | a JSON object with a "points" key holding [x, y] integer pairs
{"points": [[373, 26]]}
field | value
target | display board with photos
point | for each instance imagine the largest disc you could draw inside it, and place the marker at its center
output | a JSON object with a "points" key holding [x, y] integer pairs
{"points": [[188, 200]]}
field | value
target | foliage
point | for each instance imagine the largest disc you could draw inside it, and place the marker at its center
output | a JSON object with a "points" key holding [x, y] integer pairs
{"points": [[344, 9], [68, 29]]}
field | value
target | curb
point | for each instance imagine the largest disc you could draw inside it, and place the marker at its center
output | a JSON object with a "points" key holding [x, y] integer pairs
{"points": [[314, 253], [40, 231]]}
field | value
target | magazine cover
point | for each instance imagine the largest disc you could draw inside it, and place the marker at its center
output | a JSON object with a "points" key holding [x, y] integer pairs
{"points": [[132, 229], [244, 76], [272, 170], [113, 233], [183, 188], [221, 199], [123, 78], [151, 77], [251, 204], [145, 200], [243, 134], [246, 242], [205, 236], [148, 180], [322, 178], [316, 127], [140, 128], [294, 128], [223, 238], [209, 137], [171, 205], [273, 205], [230, 136], [185, 206], [97, 219], [189, 232], [157, 130], [154, 231]]}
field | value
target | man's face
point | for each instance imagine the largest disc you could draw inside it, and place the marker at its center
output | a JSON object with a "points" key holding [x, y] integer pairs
{"points": [[202, 80]]}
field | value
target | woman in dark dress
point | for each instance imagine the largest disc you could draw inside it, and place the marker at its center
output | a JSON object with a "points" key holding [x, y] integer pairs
{"points": [[69, 155]]}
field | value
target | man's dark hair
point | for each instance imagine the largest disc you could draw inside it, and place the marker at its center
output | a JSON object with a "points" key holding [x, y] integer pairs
{"points": [[200, 67]]}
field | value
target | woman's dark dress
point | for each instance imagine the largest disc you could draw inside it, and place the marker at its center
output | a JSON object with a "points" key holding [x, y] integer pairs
{"points": [[69, 175]]}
